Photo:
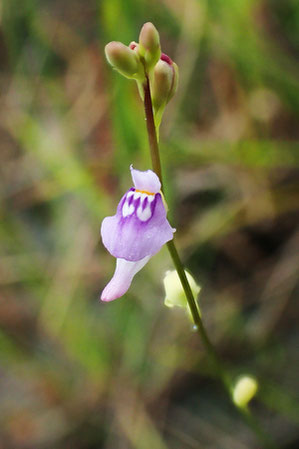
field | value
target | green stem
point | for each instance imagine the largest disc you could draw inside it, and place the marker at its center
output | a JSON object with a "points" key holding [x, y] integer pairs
{"points": [[151, 131], [195, 313], [216, 362], [156, 163]]}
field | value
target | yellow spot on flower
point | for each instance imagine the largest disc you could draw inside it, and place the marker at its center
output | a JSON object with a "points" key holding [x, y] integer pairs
{"points": [[144, 191]]}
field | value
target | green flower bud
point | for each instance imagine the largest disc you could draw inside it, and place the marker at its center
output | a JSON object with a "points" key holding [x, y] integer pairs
{"points": [[124, 60], [245, 389], [164, 83], [175, 295], [149, 45], [161, 83]]}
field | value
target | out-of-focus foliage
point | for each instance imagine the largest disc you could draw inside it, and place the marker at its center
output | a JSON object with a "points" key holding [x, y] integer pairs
{"points": [[78, 374]]}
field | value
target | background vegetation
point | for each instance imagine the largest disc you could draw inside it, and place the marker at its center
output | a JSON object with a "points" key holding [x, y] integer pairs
{"points": [[79, 374]]}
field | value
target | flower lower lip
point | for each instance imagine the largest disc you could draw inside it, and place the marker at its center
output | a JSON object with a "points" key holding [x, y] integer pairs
{"points": [[122, 278]]}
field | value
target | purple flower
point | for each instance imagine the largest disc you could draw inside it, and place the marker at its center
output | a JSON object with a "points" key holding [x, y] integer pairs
{"points": [[137, 231]]}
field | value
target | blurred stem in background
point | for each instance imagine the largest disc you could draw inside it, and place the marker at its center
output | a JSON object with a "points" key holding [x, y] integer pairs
{"points": [[217, 365]]}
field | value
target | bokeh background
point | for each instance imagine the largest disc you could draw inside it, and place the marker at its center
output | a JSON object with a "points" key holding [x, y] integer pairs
{"points": [[79, 374]]}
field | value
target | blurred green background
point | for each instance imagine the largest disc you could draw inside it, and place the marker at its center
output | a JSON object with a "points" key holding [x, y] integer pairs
{"points": [[79, 374]]}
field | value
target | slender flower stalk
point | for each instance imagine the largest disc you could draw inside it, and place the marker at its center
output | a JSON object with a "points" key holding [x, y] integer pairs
{"points": [[156, 163], [151, 130]]}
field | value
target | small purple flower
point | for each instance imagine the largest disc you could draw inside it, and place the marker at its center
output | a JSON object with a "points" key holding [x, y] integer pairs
{"points": [[137, 231]]}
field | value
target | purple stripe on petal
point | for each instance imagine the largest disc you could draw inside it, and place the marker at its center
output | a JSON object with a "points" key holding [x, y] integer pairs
{"points": [[122, 278], [144, 204], [130, 200], [136, 203]]}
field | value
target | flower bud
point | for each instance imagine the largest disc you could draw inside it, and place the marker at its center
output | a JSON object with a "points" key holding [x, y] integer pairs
{"points": [[175, 295], [123, 59], [244, 390], [149, 45], [164, 81]]}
